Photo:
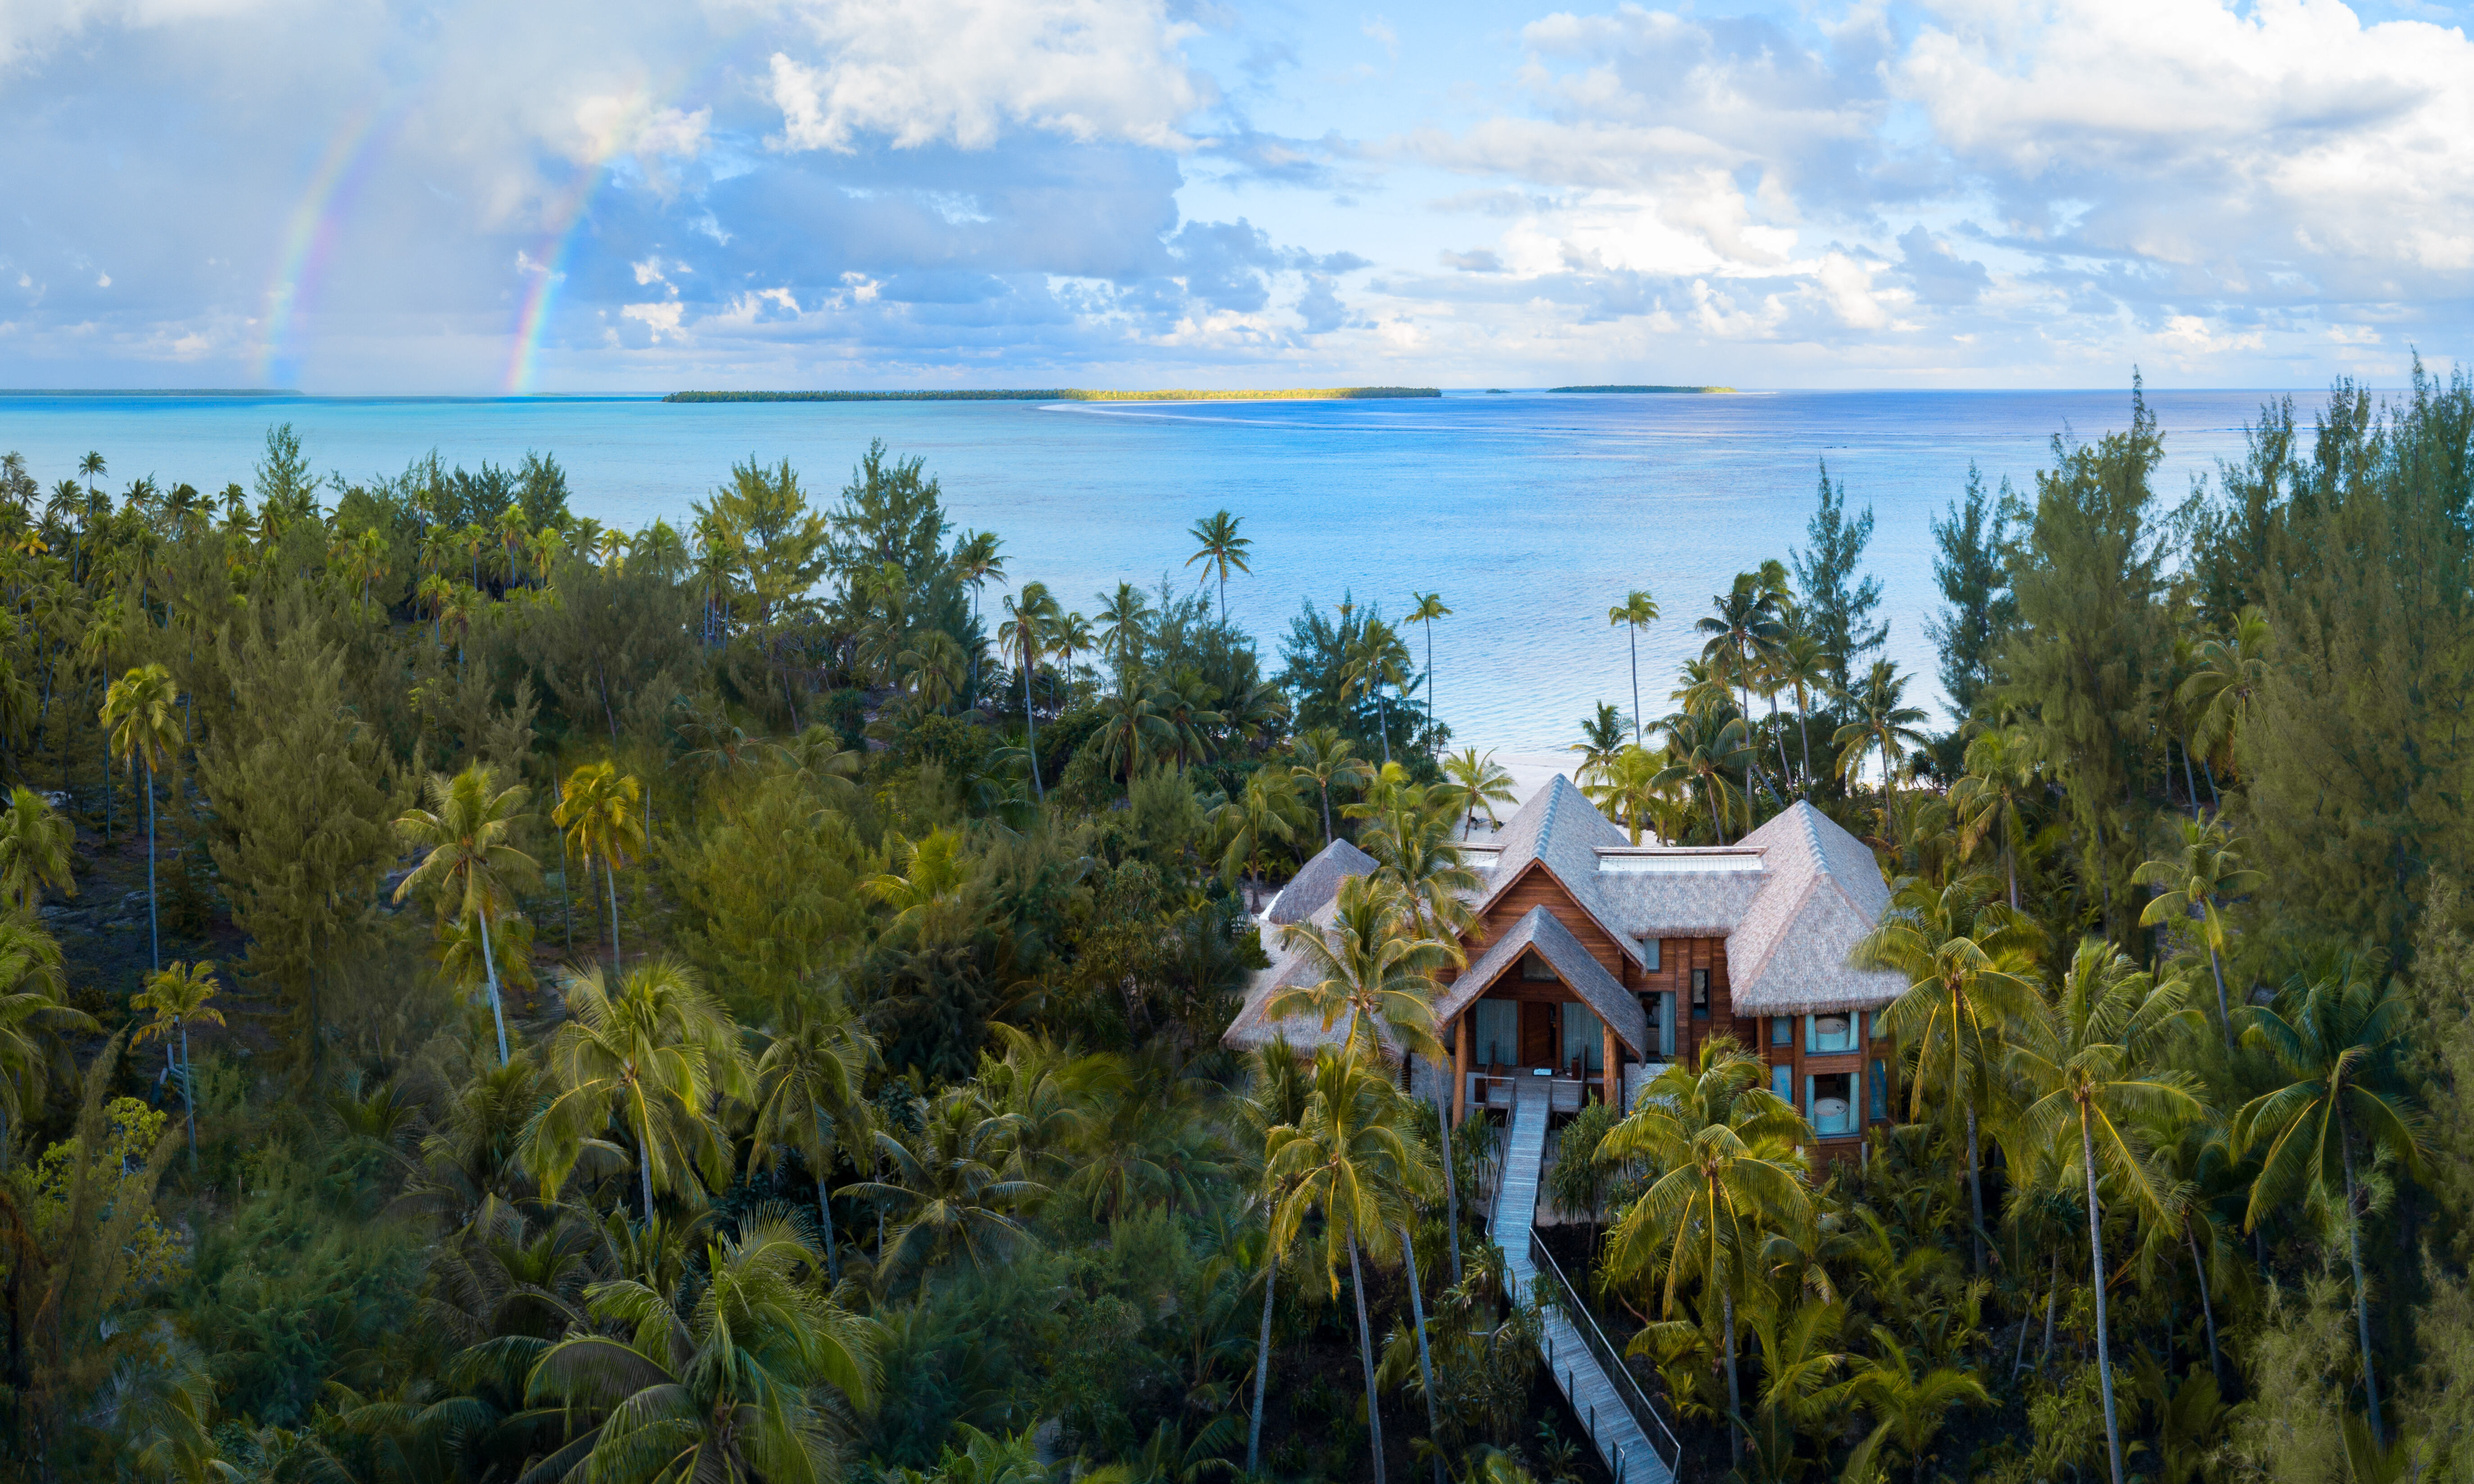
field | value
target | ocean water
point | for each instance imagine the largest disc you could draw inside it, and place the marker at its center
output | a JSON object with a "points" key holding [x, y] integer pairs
{"points": [[1530, 513]]}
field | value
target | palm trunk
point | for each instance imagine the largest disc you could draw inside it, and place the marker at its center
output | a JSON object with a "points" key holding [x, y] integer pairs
{"points": [[154, 930], [1451, 1194], [2095, 1256], [1326, 815], [2224, 1017], [1365, 1356], [1804, 731], [824, 1203], [1383, 720], [2189, 783], [2209, 770], [2010, 869], [1635, 685], [1777, 735], [1734, 1391], [1975, 1191], [1029, 727], [2207, 1307], [2361, 1295], [1262, 1361], [489, 967], [645, 1170], [1425, 1362], [610, 873], [2052, 1299], [189, 1094]]}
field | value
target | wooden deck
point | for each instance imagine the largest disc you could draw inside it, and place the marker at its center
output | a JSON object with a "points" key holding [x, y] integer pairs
{"points": [[1629, 1454]]}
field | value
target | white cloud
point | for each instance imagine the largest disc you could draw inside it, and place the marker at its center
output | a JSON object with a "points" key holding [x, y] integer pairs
{"points": [[920, 72], [658, 319]]}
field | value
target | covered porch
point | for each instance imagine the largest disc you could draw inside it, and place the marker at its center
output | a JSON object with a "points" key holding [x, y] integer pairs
{"points": [[1539, 1015]]}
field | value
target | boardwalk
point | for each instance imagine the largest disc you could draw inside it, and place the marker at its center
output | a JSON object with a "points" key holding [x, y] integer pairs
{"points": [[1619, 1440]]}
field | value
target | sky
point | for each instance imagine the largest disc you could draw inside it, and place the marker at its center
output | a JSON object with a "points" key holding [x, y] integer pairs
{"points": [[579, 196]]}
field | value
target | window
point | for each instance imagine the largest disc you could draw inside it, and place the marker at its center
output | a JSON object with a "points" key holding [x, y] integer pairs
{"points": [[1536, 969], [1880, 1083], [1830, 1033], [1585, 1043], [1873, 1024], [1649, 953], [1781, 1031], [1497, 1035], [1700, 995], [1659, 1009], [1830, 1102], [1783, 1083]]}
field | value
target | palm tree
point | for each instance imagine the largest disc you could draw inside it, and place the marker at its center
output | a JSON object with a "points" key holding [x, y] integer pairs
{"points": [[1990, 802], [653, 1057], [1374, 660], [811, 1100], [1277, 1087], [1429, 608], [2098, 1061], [977, 561], [1702, 750], [1073, 634], [35, 845], [1601, 739], [2207, 871], [600, 812], [35, 1026], [2231, 672], [1131, 724], [139, 712], [1219, 547], [1968, 961], [1885, 724], [1268, 810], [1802, 666], [1326, 759], [1124, 619], [933, 871], [2333, 1039], [1347, 1158], [1743, 628], [1029, 618], [1724, 1147], [1910, 1406], [1365, 971], [953, 1183], [724, 1387], [1637, 611], [1628, 788], [469, 860], [178, 996], [1476, 784]]}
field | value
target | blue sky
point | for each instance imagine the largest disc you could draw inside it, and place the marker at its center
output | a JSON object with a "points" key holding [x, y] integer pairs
{"points": [[600, 195]]}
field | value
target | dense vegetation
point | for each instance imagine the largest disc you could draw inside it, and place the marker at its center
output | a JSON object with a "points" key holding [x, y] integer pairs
{"points": [[490, 997]]}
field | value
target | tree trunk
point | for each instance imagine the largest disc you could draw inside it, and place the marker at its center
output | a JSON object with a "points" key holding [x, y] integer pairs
{"points": [[1365, 1356], [645, 1170], [610, 873], [489, 967], [2224, 1017], [189, 1094], [154, 930], [1383, 721], [1804, 731], [1734, 1393], [1031, 726], [1425, 1362], [1975, 1191], [824, 1203], [2052, 1298], [2361, 1295], [1635, 685], [1262, 1359], [2095, 1256], [2207, 1307], [2188, 782]]}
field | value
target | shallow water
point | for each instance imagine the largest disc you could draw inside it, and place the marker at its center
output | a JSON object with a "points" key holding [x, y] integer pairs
{"points": [[1530, 513]]}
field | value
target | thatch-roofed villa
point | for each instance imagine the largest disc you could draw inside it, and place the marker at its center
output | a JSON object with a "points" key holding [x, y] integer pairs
{"points": [[1594, 962]]}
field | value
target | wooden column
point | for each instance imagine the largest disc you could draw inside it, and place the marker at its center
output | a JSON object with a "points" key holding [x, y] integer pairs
{"points": [[1614, 1070], [1461, 1036]]}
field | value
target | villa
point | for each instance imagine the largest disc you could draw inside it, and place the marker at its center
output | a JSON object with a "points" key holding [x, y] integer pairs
{"points": [[1594, 962]]}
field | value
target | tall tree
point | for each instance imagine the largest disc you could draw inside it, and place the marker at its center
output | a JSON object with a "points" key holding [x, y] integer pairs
{"points": [[1030, 620], [1635, 613], [1430, 607], [1477, 782], [1327, 760], [1968, 565], [1835, 597], [811, 1100], [178, 997], [469, 860], [2195, 882], [34, 844], [138, 713], [1218, 548], [601, 811]]}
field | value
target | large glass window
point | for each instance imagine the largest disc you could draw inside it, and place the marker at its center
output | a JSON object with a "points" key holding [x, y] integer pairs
{"points": [[1783, 1083], [1833, 1031], [1584, 1045], [1658, 1010], [1496, 1033], [1700, 995], [1831, 1102], [1649, 953]]}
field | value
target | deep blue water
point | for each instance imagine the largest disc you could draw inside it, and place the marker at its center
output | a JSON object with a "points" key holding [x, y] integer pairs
{"points": [[1530, 513]]}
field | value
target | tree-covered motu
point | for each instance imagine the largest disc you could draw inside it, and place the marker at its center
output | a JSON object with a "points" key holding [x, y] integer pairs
{"points": [[493, 997]]}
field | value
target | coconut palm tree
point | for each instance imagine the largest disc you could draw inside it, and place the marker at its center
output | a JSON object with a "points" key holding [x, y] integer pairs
{"points": [[721, 1381], [1375, 659], [1031, 618], [1968, 960], [1125, 623], [1601, 739], [1802, 666], [1409, 834], [2231, 672], [933, 871], [1476, 784], [137, 711], [1745, 628], [2332, 1035], [35, 845], [1326, 759], [1636, 612], [1884, 726], [2195, 882], [1277, 1087], [1429, 607], [1132, 725], [2098, 1061], [1703, 750], [1909, 1405], [950, 1183], [652, 1055], [1627, 787], [1990, 802], [1267, 809], [1728, 1176], [1365, 972], [811, 1100], [1347, 1158], [35, 1026], [468, 859], [600, 812], [178, 997], [1219, 547]]}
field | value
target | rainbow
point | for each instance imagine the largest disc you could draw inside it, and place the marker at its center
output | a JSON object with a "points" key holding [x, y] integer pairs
{"points": [[309, 238], [566, 219]]}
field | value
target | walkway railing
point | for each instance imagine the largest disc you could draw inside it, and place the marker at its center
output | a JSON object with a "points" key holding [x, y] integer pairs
{"points": [[1610, 1361]]}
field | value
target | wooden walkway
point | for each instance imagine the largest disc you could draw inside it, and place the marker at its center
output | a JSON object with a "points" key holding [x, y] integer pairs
{"points": [[1627, 1451]]}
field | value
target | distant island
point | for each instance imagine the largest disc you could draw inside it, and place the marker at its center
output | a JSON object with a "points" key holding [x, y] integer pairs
{"points": [[1072, 393], [1640, 388]]}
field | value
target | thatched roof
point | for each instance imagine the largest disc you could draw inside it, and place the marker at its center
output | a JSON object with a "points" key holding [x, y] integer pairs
{"points": [[1540, 932], [1317, 883]]}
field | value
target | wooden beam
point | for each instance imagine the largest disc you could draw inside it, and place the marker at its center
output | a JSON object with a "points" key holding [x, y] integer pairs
{"points": [[1461, 1039], [1614, 1067]]}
